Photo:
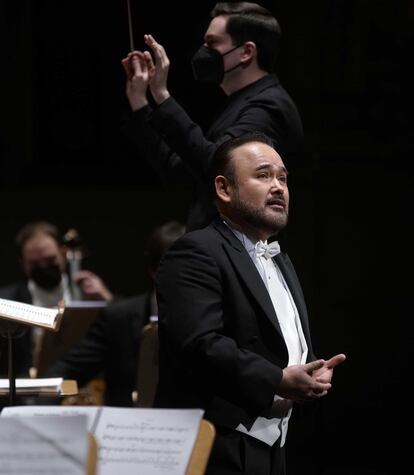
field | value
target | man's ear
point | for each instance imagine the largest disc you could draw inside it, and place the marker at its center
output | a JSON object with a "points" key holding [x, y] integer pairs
{"points": [[249, 51], [223, 190]]}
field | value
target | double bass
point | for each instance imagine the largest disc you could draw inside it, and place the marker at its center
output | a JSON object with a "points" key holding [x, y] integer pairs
{"points": [[74, 257]]}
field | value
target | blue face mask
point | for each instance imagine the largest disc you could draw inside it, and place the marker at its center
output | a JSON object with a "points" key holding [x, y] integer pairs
{"points": [[208, 65]]}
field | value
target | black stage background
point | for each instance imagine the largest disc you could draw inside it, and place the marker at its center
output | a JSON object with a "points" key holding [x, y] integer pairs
{"points": [[346, 64]]}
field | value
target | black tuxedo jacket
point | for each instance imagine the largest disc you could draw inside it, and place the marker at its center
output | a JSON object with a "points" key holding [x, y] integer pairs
{"points": [[178, 149], [221, 347], [110, 346]]}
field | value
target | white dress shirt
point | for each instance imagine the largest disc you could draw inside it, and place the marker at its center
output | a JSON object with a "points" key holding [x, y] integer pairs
{"points": [[269, 430], [48, 299]]}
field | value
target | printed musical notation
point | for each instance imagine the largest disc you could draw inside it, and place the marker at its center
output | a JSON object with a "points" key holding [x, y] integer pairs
{"points": [[133, 440]]}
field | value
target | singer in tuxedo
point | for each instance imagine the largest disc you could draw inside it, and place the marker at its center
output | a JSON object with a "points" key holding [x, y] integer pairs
{"points": [[233, 326]]}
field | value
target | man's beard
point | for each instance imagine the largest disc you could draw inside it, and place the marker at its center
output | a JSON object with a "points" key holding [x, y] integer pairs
{"points": [[258, 218]]}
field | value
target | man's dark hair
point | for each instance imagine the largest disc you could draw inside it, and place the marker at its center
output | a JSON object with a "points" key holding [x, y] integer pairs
{"points": [[251, 22], [32, 229], [160, 240], [222, 163]]}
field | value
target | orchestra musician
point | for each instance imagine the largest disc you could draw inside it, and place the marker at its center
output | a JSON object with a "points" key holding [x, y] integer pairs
{"points": [[42, 255]]}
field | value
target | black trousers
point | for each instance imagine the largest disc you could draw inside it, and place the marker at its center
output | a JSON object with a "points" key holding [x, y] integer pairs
{"points": [[236, 453]]}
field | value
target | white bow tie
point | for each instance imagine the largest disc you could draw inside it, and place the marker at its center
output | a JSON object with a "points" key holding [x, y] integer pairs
{"points": [[267, 251]]}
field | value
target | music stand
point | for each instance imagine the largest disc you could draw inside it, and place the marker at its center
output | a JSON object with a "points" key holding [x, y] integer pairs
{"points": [[11, 331], [77, 318]]}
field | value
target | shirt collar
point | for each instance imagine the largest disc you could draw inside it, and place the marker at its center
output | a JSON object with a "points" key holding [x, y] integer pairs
{"points": [[248, 244], [49, 298]]}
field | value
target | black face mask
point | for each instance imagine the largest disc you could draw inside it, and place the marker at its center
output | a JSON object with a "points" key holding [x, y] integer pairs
{"points": [[46, 277], [208, 65]]}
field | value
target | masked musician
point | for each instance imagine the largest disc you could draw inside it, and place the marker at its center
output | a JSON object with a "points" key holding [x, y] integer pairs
{"points": [[42, 256], [238, 55]]}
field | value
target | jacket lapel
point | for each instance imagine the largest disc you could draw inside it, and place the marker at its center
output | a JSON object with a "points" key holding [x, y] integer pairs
{"points": [[247, 271], [289, 274]]}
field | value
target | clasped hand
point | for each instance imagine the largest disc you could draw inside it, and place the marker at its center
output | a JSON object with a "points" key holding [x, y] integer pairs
{"points": [[144, 70], [309, 381]]}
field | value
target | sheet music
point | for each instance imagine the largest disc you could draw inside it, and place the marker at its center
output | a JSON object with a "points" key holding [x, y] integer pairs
{"points": [[39, 384], [33, 445], [86, 304], [147, 441], [91, 412], [133, 440], [28, 313]]}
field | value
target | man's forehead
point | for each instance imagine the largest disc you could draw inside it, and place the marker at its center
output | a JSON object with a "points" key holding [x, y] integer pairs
{"points": [[216, 28], [40, 243], [255, 153]]}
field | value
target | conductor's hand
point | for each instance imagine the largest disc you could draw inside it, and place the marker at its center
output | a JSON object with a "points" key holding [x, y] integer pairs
{"points": [[92, 286], [138, 75], [159, 69], [299, 384]]}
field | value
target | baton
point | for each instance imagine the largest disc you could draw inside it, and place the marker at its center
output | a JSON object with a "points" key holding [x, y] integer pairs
{"points": [[131, 31]]}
